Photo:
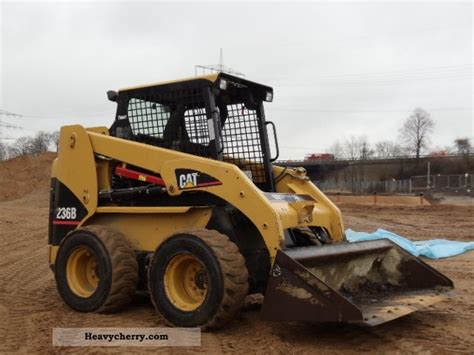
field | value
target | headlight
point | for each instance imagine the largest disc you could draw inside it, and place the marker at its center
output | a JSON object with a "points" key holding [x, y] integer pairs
{"points": [[223, 84], [269, 96]]}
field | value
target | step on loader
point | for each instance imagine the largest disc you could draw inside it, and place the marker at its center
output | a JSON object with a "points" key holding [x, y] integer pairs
{"points": [[180, 199]]}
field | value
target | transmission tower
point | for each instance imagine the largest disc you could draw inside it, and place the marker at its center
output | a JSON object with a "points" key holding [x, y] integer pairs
{"points": [[4, 124], [216, 68]]}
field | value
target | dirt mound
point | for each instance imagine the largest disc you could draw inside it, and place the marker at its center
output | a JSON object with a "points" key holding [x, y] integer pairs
{"points": [[24, 175]]}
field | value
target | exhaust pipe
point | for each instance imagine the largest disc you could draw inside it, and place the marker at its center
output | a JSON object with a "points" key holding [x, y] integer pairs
{"points": [[367, 283]]}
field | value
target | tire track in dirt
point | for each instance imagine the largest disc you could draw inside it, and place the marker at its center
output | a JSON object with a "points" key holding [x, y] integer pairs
{"points": [[30, 307], [416, 334]]}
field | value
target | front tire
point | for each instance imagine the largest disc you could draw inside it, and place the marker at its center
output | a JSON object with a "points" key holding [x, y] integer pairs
{"points": [[198, 279], [96, 270]]}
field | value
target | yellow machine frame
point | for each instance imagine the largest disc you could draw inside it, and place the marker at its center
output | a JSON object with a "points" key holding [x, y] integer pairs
{"points": [[80, 167]]}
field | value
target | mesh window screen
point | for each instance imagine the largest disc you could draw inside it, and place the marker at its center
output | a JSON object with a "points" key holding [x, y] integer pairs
{"points": [[178, 120], [174, 119], [147, 117], [195, 121], [241, 141]]}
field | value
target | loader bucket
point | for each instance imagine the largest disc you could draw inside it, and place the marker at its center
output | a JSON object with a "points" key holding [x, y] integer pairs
{"points": [[367, 283]]}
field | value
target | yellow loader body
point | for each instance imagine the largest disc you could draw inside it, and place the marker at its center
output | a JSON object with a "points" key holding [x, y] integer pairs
{"points": [[180, 198]]}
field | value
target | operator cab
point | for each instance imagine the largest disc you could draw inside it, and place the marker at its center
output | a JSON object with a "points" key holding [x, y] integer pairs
{"points": [[217, 116]]}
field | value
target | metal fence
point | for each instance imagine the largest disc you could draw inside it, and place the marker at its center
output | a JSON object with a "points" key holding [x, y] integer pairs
{"points": [[443, 182], [298, 162], [414, 184]]}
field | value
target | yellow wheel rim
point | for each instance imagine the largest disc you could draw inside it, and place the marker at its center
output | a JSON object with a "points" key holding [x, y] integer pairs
{"points": [[82, 272], [186, 282]]}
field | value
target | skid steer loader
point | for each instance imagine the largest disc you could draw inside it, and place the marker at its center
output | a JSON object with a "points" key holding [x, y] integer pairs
{"points": [[179, 198]]}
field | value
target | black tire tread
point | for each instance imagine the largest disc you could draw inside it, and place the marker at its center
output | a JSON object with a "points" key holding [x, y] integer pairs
{"points": [[235, 274], [124, 268]]}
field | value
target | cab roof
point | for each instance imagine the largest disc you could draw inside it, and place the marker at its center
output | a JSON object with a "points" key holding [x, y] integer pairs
{"points": [[210, 78]]}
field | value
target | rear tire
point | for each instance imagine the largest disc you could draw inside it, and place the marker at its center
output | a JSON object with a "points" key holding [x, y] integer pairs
{"points": [[198, 279], [96, 270]]}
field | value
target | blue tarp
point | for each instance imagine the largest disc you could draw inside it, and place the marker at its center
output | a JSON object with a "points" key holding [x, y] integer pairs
{"points": [[433, 249]]}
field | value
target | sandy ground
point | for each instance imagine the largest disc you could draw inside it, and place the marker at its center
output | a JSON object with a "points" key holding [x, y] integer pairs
{"points": [[30, 305], [404, 199]]}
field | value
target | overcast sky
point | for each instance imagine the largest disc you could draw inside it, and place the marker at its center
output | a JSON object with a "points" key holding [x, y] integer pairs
{"points": [[337, 69]]}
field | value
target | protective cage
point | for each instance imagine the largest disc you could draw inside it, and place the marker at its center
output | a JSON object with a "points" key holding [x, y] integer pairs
{"points": [[198, 118]]}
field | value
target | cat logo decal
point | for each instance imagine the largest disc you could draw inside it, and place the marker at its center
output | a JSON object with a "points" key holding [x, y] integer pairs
{"points": [[192, 179]]}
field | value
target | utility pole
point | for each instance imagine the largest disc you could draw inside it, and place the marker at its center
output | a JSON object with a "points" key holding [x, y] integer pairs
{"points": [[428, 175], [221, 61]]}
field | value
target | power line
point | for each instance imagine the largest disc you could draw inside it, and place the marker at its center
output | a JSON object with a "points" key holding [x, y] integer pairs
{"points": [[65, 116], [460, 72], [269, 108], [56, 116], [5, 124], [8, 125], [373, 81], [410, 71], [8, 113]]}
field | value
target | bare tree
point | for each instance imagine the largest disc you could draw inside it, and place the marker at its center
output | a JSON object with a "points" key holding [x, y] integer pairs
{"points": [[366, 151], [357, 148], [351, 148], [387, 149], [55, 139], [22, 146], [463, 146], [337, 150], [3, 151], [415, 131], [40, 142]]}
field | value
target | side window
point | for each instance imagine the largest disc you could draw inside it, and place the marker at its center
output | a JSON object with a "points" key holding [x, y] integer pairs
{"points": [[147, 117], [241, 141]]}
